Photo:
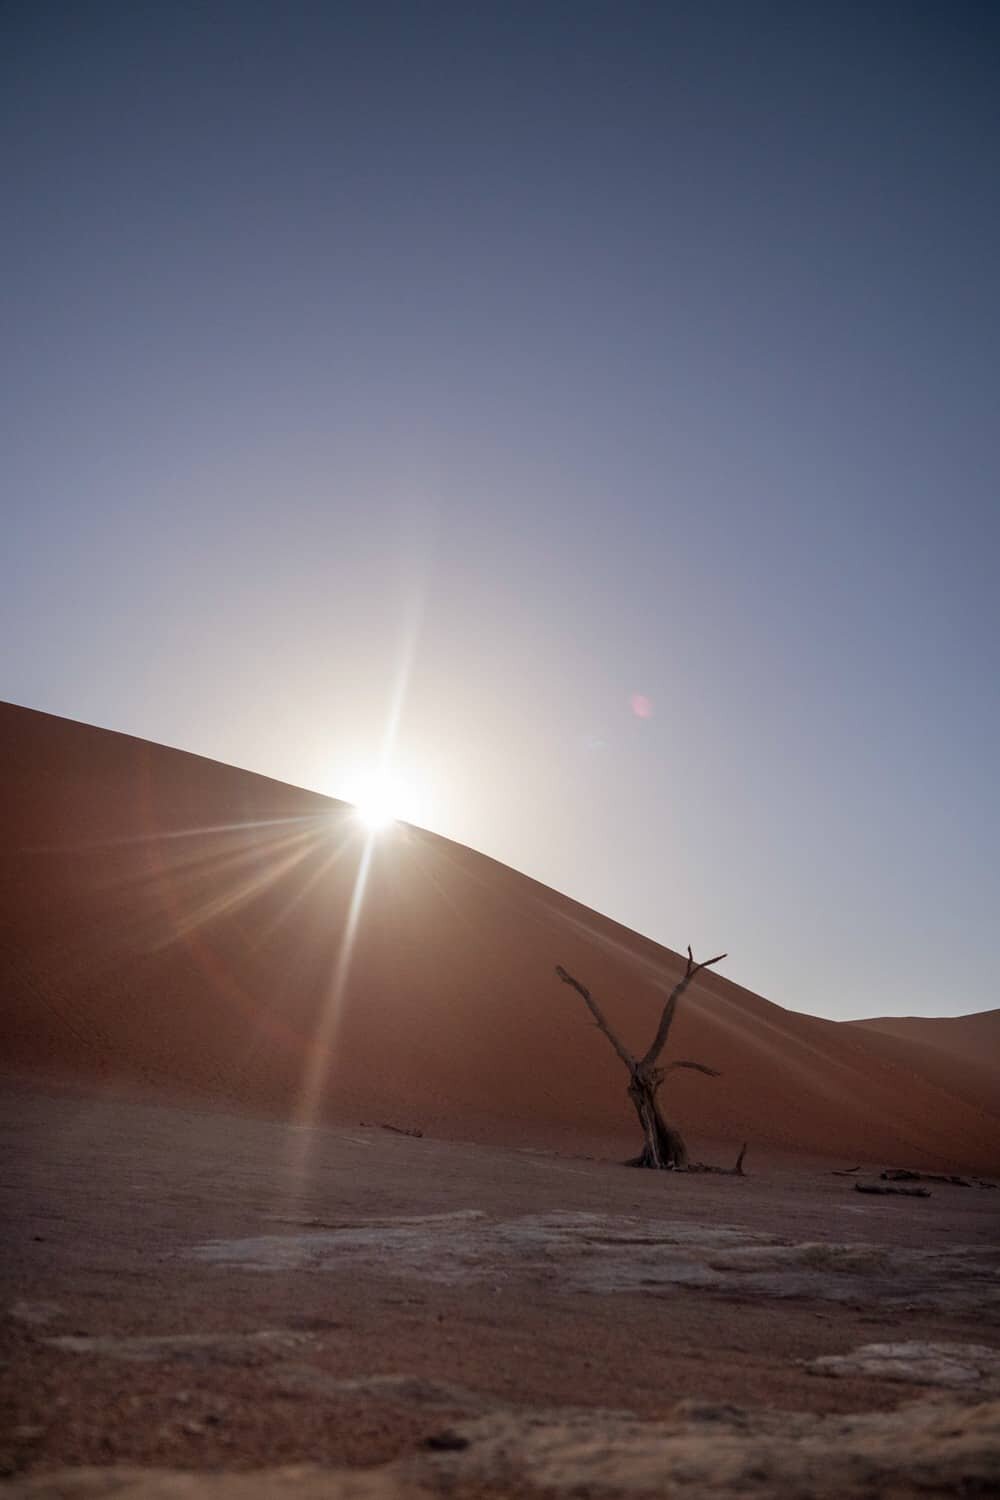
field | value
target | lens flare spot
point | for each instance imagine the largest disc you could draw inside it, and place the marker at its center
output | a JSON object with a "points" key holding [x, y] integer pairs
{"points": [[641, 706]]}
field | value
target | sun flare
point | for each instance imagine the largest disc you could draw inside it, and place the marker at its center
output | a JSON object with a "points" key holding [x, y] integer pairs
{"points": [[379, 798]]}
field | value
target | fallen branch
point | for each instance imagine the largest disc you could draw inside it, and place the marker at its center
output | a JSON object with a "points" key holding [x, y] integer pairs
{"points": [[904, 1174], [737, 1171], [845, 1171], [900, 1192], [951, 1179]]}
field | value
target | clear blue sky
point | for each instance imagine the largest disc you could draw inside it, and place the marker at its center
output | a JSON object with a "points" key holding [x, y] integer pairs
{"points": [[506, 361]]}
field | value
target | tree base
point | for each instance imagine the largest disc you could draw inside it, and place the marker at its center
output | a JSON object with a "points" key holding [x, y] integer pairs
{"points": [[645, 1159], [664, 1150]]}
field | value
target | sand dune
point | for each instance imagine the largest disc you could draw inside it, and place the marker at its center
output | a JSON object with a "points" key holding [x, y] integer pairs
{"points": [[958, 1054], [968, 1038], [171, 921]]}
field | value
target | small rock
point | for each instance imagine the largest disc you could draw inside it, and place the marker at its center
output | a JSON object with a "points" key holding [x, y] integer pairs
{"points": [[446, 1442]]}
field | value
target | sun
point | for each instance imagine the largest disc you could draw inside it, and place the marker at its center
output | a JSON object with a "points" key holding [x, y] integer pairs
{"points": [[378, 797]]}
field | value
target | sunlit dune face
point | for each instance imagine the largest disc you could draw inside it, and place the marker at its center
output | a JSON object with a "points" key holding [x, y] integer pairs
{"points": [[379, 798]]}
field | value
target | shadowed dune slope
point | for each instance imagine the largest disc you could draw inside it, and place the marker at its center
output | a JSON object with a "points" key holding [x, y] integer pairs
{"points": [[959, 1054], [171, 921], [972, 1039]]}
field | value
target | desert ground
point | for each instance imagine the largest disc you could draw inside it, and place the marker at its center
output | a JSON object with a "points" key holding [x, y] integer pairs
{"points": [[228, 1269], [350, 1311]]}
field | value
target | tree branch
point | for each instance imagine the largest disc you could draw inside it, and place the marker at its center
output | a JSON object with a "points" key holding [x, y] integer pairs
{"points": [[596, 1012], [666, 1020], [701, 1067]]}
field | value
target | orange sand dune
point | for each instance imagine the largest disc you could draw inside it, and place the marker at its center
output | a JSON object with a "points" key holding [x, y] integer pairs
{"points": [[959, 1054], [973, 1039], [171, 921]]}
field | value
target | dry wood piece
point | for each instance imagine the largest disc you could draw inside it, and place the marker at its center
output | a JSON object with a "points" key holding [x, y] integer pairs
{"points": [[897, 1192], [845, 1171], [737, 1171], [664, 1148], [904, 1174], [952, 1179]]}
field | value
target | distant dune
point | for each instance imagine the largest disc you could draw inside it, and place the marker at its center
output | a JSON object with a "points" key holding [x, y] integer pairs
{"points": [[169, 921], [969, 1039], [958, 1054]]}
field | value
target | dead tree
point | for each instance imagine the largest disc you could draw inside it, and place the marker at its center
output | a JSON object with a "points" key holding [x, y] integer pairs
{"points": [[664, 1148]]}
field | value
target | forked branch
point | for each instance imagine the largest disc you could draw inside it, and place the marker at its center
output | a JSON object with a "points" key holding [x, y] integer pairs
{"points": [[667, 1018]]}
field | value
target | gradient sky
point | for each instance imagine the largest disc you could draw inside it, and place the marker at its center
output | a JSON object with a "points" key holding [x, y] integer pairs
{"points": [[503, 362]]}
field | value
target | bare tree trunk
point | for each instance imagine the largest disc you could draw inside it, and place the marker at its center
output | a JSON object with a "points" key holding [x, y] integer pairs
{"points": [[664, 1147]]}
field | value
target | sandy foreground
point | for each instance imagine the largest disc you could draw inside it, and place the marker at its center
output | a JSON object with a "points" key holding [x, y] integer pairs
{"points": [[204, 1302]]}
